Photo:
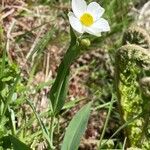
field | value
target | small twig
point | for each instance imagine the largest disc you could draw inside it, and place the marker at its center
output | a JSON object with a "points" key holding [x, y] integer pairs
{"points": [[9, 37], [124, 143], [47, 67], [7, 14], [23, 25], [15, 34], [19, 7], [3, 3]]}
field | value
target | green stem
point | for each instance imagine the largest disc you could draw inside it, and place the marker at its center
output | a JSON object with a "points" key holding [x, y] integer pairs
{"points": [[12, 121], [52, 131], [106, 122]]}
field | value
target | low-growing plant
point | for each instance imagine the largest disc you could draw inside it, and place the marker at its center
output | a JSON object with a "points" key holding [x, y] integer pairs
{"points": [[20, 130]]}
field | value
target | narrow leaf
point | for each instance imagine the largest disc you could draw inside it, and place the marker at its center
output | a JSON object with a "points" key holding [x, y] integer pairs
{"points": [[42, 43], [62, 94], [76, 129], [73, 37], [43, 127], [59, 89], [70, 55]]}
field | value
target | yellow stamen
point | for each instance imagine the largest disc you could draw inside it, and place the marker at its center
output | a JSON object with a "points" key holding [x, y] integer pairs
{"points": [[87, 19]]}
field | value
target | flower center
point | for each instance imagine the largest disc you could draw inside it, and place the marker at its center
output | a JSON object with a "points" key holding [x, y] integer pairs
{"points": [[87, 19]]}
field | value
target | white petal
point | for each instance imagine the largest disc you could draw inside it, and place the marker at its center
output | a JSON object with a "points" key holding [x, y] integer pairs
{"points": [[92, 31], [102, 24], [79, 7], [99, 26], [75, 23], [96, 10]]}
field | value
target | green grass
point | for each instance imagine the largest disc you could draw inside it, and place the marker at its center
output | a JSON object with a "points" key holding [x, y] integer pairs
{"points": [[20, 115]]}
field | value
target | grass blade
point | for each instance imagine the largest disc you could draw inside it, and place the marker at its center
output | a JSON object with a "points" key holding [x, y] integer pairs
{"points": [[43, 127], [43, 42], [106, 122]]}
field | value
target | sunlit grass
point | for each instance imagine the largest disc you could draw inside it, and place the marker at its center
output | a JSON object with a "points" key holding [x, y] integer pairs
{"points": [[28, 67]]}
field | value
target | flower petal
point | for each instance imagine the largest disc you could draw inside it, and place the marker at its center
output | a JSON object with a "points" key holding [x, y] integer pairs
{"points": [[96, 10], [92, 31], [99, 26], [79, 7], [102, 24], [75, 23]]}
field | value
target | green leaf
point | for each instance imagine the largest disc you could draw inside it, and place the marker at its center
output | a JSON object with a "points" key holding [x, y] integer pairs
{"points": [[12, 120], [71, 104], [11, 92], [43, 127], [76, 129], [17, 144], [121, 128], [73, 37], [59, 89], [63, 94], [62, 78]]}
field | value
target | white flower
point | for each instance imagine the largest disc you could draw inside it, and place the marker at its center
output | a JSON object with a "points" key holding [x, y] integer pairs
{"points": [[87, 18]]}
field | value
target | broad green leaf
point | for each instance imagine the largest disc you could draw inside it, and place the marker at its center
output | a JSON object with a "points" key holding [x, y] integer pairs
{"points": [[63, 94], [76, 129], [17, 144], [59, 89]]}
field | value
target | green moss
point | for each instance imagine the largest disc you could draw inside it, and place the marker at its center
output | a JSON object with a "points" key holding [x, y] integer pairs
{"points": [[132, 60]]}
